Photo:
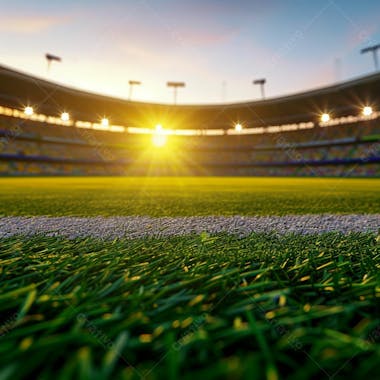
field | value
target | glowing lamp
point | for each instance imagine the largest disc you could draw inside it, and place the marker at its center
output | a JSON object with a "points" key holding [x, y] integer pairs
{"points": [[65, 116], [28, 111], [325, 117], [367, 111]]}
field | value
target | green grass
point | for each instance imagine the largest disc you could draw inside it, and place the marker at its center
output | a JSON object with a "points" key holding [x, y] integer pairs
{"points": [[260, 307], [186, 196], [207, 307]]}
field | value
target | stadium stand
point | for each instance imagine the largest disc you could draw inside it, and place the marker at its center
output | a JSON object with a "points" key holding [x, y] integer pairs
{"points": [[280, 137]]}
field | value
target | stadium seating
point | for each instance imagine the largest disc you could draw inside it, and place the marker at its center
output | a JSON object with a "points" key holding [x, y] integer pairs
{"points": [[332, 151]]}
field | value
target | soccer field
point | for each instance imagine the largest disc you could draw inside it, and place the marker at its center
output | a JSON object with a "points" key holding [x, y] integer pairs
{"points": [[187, 196], [289, 305]]}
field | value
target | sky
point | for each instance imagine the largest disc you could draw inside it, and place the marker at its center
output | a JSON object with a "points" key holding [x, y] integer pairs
{"points": [[217, 47]]}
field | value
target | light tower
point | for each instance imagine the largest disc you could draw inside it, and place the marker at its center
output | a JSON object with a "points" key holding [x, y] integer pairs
{"points": [[374, 50], [50, 58], [261, 82], [175, 86], [131, 84]]}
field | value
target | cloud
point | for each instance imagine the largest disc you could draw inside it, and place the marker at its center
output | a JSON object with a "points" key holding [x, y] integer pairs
{"points": [[27, 24]]}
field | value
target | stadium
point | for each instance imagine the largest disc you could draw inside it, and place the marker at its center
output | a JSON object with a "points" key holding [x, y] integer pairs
{"points": [[104, 136], [148, 240]]}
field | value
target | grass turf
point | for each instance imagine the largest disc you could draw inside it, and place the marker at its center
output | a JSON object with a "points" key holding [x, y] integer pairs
{"points": [[294, 307], [181, 196]]}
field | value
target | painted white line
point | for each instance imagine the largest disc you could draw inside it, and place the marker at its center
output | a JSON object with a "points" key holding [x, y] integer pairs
{"points": [[139, 226]]}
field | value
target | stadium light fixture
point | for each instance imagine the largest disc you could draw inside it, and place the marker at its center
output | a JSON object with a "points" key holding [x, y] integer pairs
{"points": [[367, 111], [175, 86], [374, 50], [65, 116], [105, 122], [238, 127], [132, 83], [50, 58], [325, 117], [261, 82], [28, 111]]}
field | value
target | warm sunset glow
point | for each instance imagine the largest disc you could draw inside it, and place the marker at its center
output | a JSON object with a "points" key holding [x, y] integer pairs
{"points": [[154, 56]]}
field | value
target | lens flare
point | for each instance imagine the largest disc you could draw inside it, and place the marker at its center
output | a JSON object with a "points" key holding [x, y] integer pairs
{"points": [[28, 111], [159, 140], [65, 116], [325, 117], [367, 111]]}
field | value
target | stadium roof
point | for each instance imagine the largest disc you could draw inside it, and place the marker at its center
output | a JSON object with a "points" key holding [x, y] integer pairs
{"points": [[18, 89]]}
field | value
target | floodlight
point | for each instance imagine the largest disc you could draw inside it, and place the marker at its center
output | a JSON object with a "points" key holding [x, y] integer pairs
{"points": [[131, 84], [105, 122], [367, 111], [65, 116], [238, 127], [50, 58], [325, 118], [175, 86], [374, 50], [159, 128], [28, 111], [261, 82]]}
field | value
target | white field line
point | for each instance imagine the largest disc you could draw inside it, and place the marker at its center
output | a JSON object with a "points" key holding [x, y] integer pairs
{"points": [[141, 226]]}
